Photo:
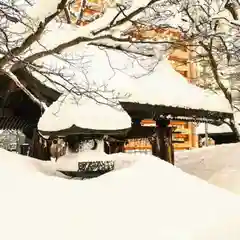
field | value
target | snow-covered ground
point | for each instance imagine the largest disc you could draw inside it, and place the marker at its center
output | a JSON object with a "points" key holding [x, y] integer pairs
{"points": [[149, 200], [219, 165]]}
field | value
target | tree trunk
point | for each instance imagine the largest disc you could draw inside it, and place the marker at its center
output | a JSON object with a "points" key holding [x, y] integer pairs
{"points": [[234, 129]]}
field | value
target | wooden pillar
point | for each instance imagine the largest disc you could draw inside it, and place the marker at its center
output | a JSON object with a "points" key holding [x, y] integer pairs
{"points": [[37, 149], [170, 145], [112, 145], [164, 141], [106, 147], [24, 148]]}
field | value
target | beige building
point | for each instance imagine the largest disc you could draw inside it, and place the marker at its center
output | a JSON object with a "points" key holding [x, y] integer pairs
{"points": [[184, 136]]}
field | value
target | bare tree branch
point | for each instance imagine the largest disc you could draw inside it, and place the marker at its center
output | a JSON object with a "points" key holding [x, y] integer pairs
{"points": [[34, 36]]}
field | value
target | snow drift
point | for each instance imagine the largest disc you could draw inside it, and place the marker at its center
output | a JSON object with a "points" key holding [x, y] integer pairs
{"points": [[149, 200], [218, 165]]}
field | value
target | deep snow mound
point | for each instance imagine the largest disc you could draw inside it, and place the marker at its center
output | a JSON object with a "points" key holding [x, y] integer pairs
{"points": [[219, 164], [16, 164], [150, 199]]}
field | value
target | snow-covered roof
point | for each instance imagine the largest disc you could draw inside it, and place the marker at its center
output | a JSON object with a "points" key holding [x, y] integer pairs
{"points": [[134, 76], [165, 86], [84, 114], [91, 67]]}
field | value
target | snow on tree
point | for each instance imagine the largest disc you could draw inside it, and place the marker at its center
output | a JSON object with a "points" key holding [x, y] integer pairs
{"points": [[210, 31], [32, 30]]}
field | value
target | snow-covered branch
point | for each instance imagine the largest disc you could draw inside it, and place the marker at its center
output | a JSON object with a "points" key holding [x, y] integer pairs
{"points": [[208, 30], [24, 89], [33, 37]]}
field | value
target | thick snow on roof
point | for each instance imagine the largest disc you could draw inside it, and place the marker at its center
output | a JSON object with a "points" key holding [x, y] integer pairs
{"points": [[167, 87], [149, 200], [132, 75], [72, 110], [92, 67], [218, 165]]}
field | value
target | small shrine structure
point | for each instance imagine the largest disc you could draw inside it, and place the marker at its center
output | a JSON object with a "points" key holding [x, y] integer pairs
{"points": [[161, 94]]}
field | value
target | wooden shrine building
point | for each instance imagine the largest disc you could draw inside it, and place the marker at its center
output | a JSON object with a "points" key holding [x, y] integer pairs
{"points": [[20, 112]]}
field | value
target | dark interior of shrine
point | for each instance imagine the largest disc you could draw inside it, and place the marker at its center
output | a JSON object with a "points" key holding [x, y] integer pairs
{"points": [[222, 138], [17, 110]]}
